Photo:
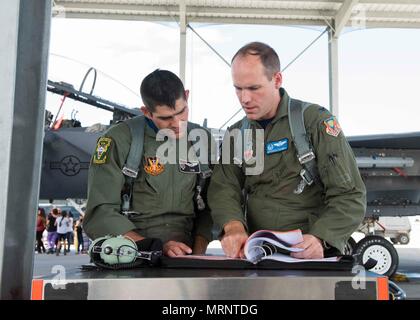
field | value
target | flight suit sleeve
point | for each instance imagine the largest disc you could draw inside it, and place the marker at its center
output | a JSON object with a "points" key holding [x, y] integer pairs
{"points": [[344, 190], [225, 190], [105, 183]]}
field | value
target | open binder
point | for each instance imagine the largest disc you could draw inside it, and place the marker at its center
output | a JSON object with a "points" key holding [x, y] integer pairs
{"points": [[217, 262], [264, 249]]}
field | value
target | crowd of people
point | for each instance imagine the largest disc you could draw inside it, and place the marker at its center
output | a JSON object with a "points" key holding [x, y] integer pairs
{"points": [[62, 232]]}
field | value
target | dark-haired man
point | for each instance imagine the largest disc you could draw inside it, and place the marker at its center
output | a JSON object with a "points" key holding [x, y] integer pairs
{"points": [[286, 194], [163, 193]]}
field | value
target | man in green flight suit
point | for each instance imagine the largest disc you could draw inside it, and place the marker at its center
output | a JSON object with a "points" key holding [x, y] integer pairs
{"points": [[162, 194], [277, 198]]}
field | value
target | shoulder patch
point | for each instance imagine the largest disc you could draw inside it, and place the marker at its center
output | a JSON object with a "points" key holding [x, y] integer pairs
{"points": [[332, 127], [101, 153]]}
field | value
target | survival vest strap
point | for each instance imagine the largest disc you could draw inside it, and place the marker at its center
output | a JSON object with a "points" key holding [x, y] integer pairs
{"points": [[132, 164], [131, 167], [203, 176], [303, 145], [304, 151]]}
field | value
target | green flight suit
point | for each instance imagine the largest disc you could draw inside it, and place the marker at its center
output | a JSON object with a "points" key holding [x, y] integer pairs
{"points": [[331, 211], [164, 200]]}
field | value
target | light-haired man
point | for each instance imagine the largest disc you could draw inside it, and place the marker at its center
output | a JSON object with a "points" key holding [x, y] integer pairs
{"points": [[327, 206]]}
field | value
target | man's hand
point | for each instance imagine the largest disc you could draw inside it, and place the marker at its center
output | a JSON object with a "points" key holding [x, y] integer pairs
{"points": [[133, 236], [312, 248], [234, 239], [175, 248]]}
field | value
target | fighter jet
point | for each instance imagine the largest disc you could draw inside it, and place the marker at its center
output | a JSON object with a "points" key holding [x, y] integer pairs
{"points": [[68, 146]]}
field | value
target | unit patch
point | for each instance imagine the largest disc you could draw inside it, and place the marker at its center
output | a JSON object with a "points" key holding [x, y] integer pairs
{"points": [[101, 153], [332, 127], [248, 148], [277, 146], [248, 155], [153, 166]]}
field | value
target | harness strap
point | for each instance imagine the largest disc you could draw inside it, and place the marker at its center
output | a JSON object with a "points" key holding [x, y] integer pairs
{"points": [[132, 164], [305, 153]]}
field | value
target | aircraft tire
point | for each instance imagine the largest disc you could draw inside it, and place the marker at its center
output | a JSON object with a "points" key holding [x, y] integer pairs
{"points": [[381, 250]]}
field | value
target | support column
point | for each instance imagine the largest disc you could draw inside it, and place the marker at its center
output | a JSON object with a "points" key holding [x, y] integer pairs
{"points": [[182, 39], [333, 72], [25, 29]]}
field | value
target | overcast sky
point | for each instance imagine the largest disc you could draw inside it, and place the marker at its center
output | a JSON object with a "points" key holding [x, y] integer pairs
{"points": [[379, 71]]}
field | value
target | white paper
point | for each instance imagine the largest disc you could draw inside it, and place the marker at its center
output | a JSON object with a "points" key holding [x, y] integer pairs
{"points": [[257, 248]]}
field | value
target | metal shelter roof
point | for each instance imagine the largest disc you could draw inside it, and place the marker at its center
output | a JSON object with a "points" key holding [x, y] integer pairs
{"points": [[337, 13]]}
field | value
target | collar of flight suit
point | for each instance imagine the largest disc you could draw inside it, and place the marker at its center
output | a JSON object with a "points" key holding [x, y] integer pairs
{"points": [[150, 128], [282, 109]]}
